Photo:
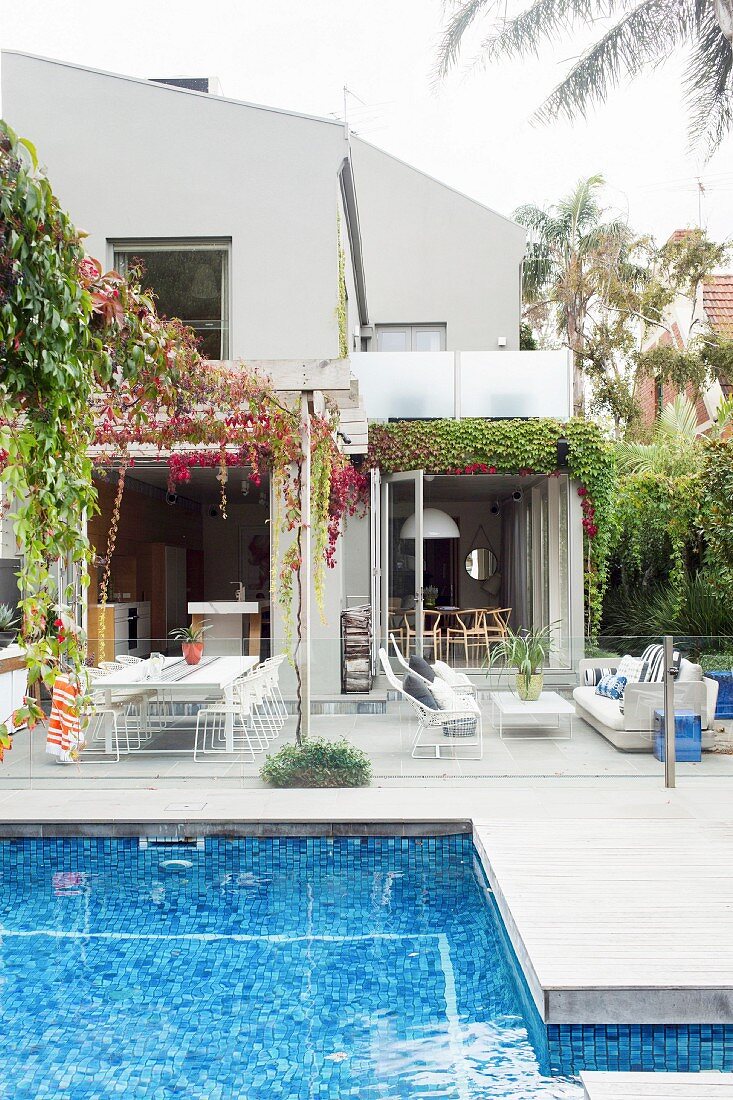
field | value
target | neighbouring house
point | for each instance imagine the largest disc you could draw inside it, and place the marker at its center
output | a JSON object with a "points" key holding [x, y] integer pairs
{"points": [[289, 243], [711, 309]]}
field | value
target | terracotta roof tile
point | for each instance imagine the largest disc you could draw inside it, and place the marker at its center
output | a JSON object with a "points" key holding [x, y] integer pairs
{"points": [[717, 299]]}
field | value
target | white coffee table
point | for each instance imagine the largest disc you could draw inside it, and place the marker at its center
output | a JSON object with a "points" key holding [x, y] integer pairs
{"points": [[545, 713]]}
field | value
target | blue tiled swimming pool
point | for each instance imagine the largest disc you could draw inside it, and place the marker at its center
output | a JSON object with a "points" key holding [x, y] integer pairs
{"points": [[319, 969]]}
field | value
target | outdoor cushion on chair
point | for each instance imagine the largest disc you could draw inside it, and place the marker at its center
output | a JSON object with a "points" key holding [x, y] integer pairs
{"points": [[446, 699], [449, 675], [420, 691], [422, 668]]}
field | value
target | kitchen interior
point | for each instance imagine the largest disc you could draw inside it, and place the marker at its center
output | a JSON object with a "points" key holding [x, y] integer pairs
{"points": [[181, 557]]}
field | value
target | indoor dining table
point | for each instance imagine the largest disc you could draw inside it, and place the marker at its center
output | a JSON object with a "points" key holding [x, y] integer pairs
{"points": [[213, 676]]}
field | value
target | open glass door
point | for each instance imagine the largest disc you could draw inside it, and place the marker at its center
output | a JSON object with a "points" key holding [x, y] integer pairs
{"points": [[402, 560]]}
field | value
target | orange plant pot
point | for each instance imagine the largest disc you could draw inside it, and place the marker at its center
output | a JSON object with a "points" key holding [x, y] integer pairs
{"points": [[192, 652]]}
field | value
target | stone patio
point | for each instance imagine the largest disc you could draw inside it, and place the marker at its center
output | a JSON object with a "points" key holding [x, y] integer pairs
{"points": [[387, 738]]}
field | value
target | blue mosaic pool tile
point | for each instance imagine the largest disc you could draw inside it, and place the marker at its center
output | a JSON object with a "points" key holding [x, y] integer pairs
{"points": [[685, 1048], [288, 967]]}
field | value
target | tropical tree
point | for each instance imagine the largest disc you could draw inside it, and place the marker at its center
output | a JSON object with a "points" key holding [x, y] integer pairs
{"points": [[674, 449], [574, 258], [642, 35]]}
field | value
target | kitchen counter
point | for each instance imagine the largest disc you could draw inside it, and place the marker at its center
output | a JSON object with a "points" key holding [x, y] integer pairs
{"points": [[225, 620], [223, 607]]}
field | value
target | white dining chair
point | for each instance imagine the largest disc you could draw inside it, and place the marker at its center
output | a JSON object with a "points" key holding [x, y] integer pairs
{"points": [[249, 731]]}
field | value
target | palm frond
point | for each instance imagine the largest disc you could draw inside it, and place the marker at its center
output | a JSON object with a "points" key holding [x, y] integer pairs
{"points": [[709, 84], [677, 421], [459, 22], [645, 36], [538, 271], [582, 207], [543, 21]]}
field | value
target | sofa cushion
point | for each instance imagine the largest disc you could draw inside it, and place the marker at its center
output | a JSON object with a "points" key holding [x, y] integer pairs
{"points": [[689, 671], [606, 711], [612, 687], [593, 676], [653, 657], [633, 668]]}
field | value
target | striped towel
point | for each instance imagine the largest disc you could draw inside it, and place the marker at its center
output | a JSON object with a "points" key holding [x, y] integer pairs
{"points": [[64, 738]]}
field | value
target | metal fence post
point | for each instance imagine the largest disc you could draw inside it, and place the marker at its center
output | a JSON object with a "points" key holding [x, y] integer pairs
{"points": [[670, 730]]}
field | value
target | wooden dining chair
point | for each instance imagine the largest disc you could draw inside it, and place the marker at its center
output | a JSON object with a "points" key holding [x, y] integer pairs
{"points": [[497, 622], [396, 620], [470, 631], [431, 631]]}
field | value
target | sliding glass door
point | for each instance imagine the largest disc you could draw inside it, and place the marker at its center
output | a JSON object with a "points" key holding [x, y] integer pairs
{"points": [[401, 565]]}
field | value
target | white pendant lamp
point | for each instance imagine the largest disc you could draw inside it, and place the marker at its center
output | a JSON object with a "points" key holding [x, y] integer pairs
{"points": [[435, 525]]}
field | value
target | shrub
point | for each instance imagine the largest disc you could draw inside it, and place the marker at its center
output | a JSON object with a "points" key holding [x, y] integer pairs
{"points": [[699, 611], [716, 662], [318, 763]]}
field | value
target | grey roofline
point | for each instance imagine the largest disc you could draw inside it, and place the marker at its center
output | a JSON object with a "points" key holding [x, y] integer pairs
{"points": [[261, 107], [149, 83], [440, 183]]}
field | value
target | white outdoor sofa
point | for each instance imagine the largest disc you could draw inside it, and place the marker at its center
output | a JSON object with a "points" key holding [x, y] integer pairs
{"points": [[632, 729]]}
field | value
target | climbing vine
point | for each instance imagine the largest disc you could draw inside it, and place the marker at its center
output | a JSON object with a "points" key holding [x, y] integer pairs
{"points": [[657, 530], [716, 515], [88, 361], [517, 447], [51, 362]]}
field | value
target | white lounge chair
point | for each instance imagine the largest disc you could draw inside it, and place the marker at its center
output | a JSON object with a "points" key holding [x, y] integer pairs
{"points": [[460, 682], [456, 728]]}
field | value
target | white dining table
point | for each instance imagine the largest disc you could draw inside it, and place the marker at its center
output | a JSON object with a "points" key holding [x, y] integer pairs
{"points": [[213, 677]]}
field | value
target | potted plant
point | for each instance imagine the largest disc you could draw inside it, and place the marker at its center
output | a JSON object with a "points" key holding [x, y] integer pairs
{"points": [[526, 651], [8, 624], [430, 596], [192, 641]]}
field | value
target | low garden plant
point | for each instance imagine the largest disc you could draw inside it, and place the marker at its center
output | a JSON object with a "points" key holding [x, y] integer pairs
{"points": [[318, 763]]}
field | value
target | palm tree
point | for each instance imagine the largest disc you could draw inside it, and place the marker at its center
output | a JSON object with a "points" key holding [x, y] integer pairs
{"points": [[643, 35], [572, 255]]}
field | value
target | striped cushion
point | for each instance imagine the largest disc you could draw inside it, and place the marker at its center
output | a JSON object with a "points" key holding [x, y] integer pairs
{"points": [[593, 676], [653, 657]]}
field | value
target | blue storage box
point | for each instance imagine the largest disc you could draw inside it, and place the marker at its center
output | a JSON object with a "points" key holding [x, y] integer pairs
{"points": [[688, 736]]}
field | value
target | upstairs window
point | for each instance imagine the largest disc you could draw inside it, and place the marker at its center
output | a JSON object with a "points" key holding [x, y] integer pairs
{"points": [[190, 281], [410, 337]]}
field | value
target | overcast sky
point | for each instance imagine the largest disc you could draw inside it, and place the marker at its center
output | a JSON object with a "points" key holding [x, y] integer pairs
{"points": [[472, 131]]}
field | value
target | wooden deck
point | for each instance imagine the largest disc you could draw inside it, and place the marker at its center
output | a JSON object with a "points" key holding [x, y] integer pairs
{"points": [[618, 921], [658, 1086]]}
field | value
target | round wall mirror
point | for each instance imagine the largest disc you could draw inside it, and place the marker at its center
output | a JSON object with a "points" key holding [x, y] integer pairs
{"points": [[481, 563]]}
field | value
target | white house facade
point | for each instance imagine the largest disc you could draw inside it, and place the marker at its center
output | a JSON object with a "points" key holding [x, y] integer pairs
{"points": [[238, 214]]}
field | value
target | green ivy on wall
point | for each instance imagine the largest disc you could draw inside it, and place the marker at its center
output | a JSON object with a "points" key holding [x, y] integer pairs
{"points": [[716, 515], [657, 529], [517, 447]]}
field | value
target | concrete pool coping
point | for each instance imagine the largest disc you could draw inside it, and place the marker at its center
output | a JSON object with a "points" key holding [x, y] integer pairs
{"points": [[657, 1086], [617, 901]]}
